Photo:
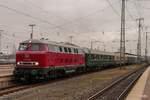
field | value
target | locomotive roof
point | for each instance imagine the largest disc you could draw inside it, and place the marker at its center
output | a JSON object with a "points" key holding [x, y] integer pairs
{"points": [[51, 42]]}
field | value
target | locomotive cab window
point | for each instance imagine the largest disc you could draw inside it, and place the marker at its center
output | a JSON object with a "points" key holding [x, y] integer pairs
{"points": [[32, 47]]}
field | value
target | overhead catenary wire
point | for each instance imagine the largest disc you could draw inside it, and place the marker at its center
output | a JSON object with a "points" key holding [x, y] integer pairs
{"points": [[48, 13], [130, 15], [138, 10], [30, 16], [45, 11], [115, 11], [60, 27], [81, 18], [75, 20], [47, 22]]}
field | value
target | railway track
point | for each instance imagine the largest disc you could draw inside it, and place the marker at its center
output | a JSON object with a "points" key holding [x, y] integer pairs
{"points": [[18, 87], [6, 76], [119, 89], [15, 88], [6, 81]]}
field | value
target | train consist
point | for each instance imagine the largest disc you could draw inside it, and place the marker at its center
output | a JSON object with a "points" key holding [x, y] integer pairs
{"points": [[43, 59]]}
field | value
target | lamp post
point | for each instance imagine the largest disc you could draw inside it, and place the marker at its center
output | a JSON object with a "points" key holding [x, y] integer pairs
{"points": [[71, 38], [31, 35]]}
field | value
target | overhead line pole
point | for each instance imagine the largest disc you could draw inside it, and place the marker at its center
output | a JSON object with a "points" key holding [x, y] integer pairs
{"points": [[31, 35], [1, 40], [139, 39], [122, 36], [71, 39], [146, 49]]}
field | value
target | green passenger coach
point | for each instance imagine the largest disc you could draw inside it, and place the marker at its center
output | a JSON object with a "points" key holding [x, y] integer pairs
{"points": [[96, 59]]}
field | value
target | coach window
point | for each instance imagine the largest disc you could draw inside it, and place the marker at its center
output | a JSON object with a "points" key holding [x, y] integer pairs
{"points": [[104, 56], [79, 51], [72, 50], [56, 49], [69, 49], [60, 49], [100, 56], [93, 56], [65, 49], [76, 50], [97, 57], [113, 57], [110, 57], [107, 57]]}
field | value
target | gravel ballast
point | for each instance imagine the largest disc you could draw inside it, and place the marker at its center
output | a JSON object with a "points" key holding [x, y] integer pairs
{"points": [[75, 88]]}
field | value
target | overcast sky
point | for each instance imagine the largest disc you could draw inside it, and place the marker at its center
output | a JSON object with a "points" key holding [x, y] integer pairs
{"points": [[85, 20]]}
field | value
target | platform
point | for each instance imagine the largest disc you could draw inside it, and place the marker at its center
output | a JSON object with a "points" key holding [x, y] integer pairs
{"points": [[141, 91]]}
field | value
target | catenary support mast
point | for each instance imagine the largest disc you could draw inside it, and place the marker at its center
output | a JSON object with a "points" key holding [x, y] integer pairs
{"points": [[122, 36], [139, 39]]}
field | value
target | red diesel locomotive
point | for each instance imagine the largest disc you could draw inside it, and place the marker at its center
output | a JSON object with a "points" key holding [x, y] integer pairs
{"points": [[41, 59]]}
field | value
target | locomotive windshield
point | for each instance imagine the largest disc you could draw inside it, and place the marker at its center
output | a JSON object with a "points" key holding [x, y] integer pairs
{"points": [[32, 47]]}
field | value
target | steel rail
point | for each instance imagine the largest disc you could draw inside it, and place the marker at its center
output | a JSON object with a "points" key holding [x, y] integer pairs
{"points": [[123, 93], [6, 76], [128, 88]]}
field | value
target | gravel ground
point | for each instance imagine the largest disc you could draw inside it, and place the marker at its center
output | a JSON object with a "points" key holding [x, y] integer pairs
{"points": [[6, 70], [76, 88]]}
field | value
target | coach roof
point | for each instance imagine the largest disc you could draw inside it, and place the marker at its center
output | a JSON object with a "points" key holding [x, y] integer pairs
{"points": [[101, 52]]}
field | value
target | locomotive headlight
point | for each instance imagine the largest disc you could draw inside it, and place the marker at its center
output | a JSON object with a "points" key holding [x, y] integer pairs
{"points": [[36, 63], [18, 63]]}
